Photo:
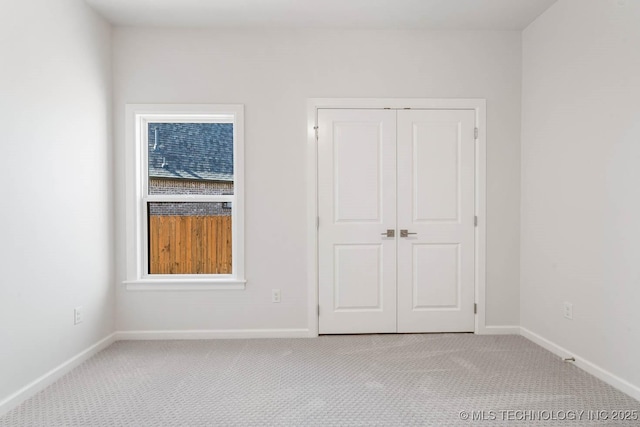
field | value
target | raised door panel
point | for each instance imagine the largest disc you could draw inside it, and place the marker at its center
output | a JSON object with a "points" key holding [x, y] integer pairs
{"points": [[436, 171], [436, 276], [358, 277], [357, 174]]}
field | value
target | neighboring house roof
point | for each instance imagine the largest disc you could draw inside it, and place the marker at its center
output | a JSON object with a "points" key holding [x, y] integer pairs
{"points": [[194, 151]]}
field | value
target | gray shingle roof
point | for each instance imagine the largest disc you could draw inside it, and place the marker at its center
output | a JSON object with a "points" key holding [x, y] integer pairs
{"points": [[194, 151]]}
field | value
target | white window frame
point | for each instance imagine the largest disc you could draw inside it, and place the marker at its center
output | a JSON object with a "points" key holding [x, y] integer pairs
{"points": [[138, 116]]}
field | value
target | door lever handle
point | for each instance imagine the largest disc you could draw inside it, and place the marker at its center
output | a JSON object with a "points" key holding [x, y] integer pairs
{"points": [[405, 233], [389, 233]]}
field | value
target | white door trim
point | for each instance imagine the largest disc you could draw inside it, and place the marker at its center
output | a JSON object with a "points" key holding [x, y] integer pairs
{"points": [[479, 106]]}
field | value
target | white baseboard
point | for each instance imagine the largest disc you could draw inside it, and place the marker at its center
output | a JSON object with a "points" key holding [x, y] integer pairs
{"points": [[500, 330], [53, 375], [591, 368], [205, 334]]}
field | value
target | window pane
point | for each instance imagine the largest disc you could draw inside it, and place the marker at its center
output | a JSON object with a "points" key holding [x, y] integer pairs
{"points": [[190, 158], [190, 238]]}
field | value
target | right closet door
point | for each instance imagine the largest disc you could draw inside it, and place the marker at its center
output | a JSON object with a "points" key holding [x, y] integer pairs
{"points": [[435, 220]]}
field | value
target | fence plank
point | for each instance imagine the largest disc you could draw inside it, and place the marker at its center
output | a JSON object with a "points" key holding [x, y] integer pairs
{"points": [[190, 245]]}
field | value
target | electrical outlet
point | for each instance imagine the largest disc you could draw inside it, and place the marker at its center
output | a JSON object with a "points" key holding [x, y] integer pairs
{"points": [[568, 310], [77, 315], [275, 295]]}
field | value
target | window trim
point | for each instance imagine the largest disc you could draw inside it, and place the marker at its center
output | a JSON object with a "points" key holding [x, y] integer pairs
{"points": [[137, 197]]}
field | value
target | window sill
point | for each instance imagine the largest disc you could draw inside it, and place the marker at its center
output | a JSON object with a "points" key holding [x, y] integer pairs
{"points": [[184, 284]]}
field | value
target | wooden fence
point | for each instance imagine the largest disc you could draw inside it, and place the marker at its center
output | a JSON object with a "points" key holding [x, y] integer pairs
{"points": [[190, 245]]}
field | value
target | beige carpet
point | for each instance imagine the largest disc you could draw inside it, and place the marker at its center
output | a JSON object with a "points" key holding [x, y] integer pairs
{"points": [[366, 380]]}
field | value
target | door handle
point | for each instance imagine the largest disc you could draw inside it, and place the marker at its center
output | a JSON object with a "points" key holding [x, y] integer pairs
{"points": [[405, 233], [389, 233]]}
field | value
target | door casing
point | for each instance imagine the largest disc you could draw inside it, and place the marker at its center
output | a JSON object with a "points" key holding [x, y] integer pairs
{"points": [[479, 107]]}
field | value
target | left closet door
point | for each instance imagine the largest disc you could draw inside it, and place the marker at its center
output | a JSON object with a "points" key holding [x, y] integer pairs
{"points": [[357, 205]]}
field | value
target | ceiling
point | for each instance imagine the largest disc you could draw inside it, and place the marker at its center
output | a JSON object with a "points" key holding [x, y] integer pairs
{"points": [[347, 14]]}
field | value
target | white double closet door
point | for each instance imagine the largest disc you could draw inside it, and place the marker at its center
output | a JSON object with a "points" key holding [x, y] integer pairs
{"points": [[396, 220]]}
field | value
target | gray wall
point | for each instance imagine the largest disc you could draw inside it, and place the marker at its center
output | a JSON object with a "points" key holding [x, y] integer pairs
{"points": [[580, 175], [57, 250], [273, 73]]}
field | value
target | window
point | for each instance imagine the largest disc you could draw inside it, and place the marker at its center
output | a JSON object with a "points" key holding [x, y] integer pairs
{"points": [[185, 218]]}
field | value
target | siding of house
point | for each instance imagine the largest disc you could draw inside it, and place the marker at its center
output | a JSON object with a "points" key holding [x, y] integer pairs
{"points": [[175, 186], [185, 187], [189, 209]]}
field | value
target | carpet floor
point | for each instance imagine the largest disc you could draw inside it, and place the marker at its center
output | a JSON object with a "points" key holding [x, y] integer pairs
{"points": [[361, 380]]}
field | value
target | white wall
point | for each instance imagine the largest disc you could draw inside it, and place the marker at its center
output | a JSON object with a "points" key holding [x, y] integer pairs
{"points": [[273, 73], [55, 186], [580, 181]]}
